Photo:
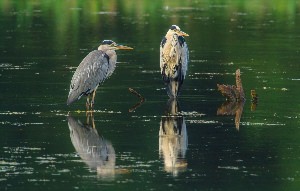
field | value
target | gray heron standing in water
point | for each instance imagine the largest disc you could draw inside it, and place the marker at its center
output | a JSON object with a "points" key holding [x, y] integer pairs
{"points": [[97, 66], [173, 60]]}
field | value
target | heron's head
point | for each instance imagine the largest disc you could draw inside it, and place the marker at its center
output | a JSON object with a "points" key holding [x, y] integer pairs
{"points": [[174, 29], [111, 45]]}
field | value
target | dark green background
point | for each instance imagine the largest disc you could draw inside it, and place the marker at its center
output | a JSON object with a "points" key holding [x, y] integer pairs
{"points": [[42, 43]]}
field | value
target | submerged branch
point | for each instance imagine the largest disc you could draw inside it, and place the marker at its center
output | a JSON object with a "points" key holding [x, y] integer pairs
{"points": [[142, 99], [254, 100], [233, 92], [136, 93], [228, 91], [235, 97]]}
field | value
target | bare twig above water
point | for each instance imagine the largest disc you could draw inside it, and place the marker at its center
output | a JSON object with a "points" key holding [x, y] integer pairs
{"points": [[136, 93], [142, 99]]}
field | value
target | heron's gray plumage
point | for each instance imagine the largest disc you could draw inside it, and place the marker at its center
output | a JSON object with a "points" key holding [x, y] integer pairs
{"points": [[174, 59], [97, 66], [93, 70]]}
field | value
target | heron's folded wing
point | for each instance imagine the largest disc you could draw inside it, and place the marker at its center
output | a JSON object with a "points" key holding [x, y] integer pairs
{"points": [[91, 71]]}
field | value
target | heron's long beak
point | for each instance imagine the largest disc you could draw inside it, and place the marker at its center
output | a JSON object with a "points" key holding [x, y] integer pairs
{"points": [[121, 47], [181, 33]]}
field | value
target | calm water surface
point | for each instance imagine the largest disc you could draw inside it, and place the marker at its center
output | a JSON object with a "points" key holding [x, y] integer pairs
{"points": [[160, 144]]}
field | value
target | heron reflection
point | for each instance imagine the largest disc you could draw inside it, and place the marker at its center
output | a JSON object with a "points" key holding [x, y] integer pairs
{"points": [[97, 152], [173, 139]]}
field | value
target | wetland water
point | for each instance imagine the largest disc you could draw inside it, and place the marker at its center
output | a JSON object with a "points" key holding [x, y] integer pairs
{"points": [[42, 43]]}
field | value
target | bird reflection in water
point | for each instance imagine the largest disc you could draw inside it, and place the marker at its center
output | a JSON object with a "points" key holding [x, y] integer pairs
{"points": [[173, 139], [97, 152]]}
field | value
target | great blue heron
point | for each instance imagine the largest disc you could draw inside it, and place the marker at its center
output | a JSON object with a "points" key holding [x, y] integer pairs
{"points": [[97, 66], [174, 59]]}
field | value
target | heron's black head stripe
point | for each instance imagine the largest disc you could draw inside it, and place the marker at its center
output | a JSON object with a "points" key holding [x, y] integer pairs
{"points": [[174, 27], [181, 41], [109, 42], [163, 42], [107, 57]]}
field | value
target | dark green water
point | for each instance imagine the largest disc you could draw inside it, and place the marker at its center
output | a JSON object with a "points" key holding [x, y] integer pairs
{"points": [[41, 44]]}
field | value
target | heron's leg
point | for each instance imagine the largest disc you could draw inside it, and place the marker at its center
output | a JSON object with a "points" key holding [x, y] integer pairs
{"points": [[87, 102], [90, 116], [93, 99], [87, 117], [93, 121]]}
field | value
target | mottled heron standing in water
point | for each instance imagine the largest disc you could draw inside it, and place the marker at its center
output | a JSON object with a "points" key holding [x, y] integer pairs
{"points": [[174, 60], [97, 66]]}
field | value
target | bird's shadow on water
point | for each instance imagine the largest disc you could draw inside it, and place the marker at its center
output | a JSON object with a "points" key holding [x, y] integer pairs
{"points": [[94, 150], [173, 139]]}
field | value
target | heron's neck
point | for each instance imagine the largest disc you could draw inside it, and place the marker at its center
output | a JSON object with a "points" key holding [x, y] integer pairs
{"points": [[172, 39], [112, 61], [170, 34]]}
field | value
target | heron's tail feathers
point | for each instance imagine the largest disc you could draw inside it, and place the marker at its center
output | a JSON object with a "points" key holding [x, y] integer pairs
{"points": [[72, 97], [70, 100]]}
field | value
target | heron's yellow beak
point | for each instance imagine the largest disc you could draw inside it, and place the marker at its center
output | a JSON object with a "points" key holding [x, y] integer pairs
{"points": [[181, 33], [121, 47]]}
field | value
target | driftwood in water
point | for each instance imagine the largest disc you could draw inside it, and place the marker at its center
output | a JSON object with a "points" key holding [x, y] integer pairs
{"points": [[254, 100], [254, 96], [232, 108], [235, 99], [233, 92]]}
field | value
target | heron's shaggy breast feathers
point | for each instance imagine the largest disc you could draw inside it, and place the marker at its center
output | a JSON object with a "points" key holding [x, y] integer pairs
{"points": [[173, 55]]}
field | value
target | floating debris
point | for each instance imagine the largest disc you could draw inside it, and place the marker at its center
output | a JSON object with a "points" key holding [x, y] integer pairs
{"points": [[228, 91], [233, 92], [254, 100], [254, 96], [235, 97], [232, 108]]}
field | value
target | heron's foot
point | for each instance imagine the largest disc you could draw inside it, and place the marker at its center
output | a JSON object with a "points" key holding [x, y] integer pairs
{"points": [[89, 112], [92, 104], [90, 107]]}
